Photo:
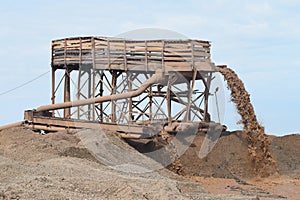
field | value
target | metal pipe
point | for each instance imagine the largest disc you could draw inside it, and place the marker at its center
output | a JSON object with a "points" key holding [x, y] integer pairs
{"points": [[47, 128], [10, 125], [156, 78]]}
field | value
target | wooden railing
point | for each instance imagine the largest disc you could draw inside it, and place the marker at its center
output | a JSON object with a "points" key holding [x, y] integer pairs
{"points": [[120, 54]]}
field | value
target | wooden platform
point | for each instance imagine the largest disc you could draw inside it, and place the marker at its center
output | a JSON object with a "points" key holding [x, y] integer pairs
{"points": [[120, 54]]}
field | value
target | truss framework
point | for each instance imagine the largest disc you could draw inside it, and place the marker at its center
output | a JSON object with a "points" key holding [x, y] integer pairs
{"points": [[97, 66]]}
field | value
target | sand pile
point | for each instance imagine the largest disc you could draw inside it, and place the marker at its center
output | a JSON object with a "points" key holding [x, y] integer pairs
{"points": [[230, 157], [258, 141], [58, 166]]}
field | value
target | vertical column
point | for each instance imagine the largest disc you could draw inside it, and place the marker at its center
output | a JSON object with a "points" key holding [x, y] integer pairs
{"points": [[146, 56], [101, 94], [94, 77], [89, 93], [188, 111], [79, 78], [67, 111], [130, 99], [113, 91], [94, 86], [79, 92], [169, 102], [206, 95], [53, 88], [150, 103], [67, 82], [190, 95]]}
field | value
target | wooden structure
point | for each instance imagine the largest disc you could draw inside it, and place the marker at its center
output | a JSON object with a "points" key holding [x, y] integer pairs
{"points": [[99, 66]]}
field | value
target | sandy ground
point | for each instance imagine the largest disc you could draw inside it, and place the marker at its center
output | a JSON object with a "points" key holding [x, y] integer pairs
{"points": [[58, 166], [276, 187]]}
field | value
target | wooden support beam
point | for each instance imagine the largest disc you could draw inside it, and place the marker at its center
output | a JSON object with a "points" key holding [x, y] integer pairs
{"points": [[169, 103], [53, 87], [113, 102], [67, 95]]}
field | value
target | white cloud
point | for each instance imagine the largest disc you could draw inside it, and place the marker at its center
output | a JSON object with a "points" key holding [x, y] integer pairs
{"points": [[260, 8]]}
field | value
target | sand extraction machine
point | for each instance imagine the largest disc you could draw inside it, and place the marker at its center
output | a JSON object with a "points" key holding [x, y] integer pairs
{"points": [[133, 87]]}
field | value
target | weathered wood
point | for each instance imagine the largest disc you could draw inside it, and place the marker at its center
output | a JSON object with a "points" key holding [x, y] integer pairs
{"points": [[102, 52]]}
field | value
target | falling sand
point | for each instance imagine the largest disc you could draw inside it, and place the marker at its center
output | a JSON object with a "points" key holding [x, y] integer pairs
{"points": [[258, 141]]}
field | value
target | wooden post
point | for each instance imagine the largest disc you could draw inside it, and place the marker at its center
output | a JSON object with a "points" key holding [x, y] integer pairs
{"points": [[53, 89], [93, 77], [130, 99], [190, 94], [150, 103], [101, 94], [89, 92], [206, 95], [67, 98], [79, 77], [113, 91], [67, 111], [169, 102], [188, 111]]}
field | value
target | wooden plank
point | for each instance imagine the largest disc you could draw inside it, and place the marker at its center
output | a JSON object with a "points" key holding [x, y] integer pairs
{"points": [[129, 52], [85, 124]]}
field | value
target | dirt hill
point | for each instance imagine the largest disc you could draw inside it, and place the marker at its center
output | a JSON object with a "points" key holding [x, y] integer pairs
{"points": [[230, 158], [57, 166]]}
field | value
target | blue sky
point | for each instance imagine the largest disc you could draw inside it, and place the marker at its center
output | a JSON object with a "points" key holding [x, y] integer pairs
{"points": [[258, 39]]}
